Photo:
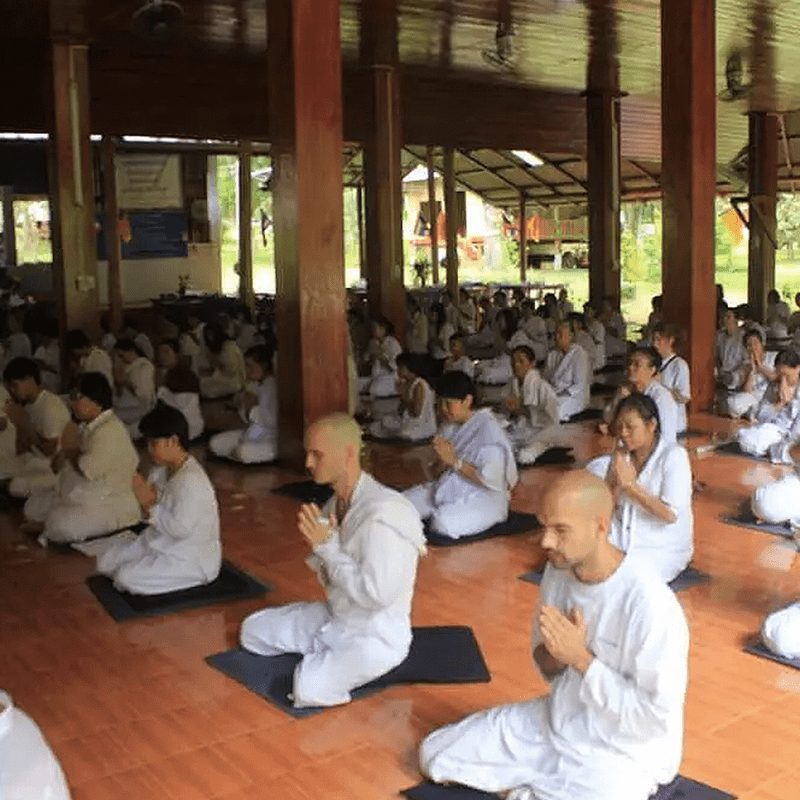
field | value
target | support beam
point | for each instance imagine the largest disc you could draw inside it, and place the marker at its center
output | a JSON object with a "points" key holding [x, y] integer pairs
{"points": [[246, 291], [603, 172], [9, 231], [72, 191], [113, 241], [451, 221], [762, 160], [434, 217], [688, 131], [523, 238], [304, 67], [362, 247], [382, 164]]}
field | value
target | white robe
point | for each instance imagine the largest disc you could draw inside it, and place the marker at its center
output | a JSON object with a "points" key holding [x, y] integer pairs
{"points": [[463, 364], [675, 376], [188, 403], [258, 442], [383, 379], [142, 341], [180, 547], [596, 355], [667, 410], [529, 430], [98, 497], [731, 358], [8, 439], [781, 631], [570, 374], [494, 371], [50, 356], [417, 335], [596, 330], [228, 376], [31, 471], [406, 426], [666, 548], [139, 397], [28, 768], [775, 431], [458, 507], [367, 567], [440, 341], [615, 338], [740, 404], [98, 360], [778, 501], [615, 732], [535, 328]]}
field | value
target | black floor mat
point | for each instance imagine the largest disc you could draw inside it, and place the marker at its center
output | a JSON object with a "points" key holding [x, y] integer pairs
{"points": [[517, 522], [448, 654], [758, 648], [744, 519], [306, 492]]}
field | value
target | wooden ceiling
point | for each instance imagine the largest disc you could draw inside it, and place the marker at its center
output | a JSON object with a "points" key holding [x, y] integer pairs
{"points": [[553, 43]]}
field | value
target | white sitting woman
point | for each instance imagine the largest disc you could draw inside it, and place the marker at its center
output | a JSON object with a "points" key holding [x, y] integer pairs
{"points": [[257, 442], [381, 359], [756, 375], [416, 419], [651, 481], [134, 383], [225, 372], [178, 385]]}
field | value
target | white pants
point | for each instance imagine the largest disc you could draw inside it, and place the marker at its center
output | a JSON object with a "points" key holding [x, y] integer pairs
{"points": [[739, 404], [568, 405], [778, 501], [781, 631], [757, 440], [461, 518], [233, 445], [138, 569], [510, 748], [335, 660], [31, 473], [68, 521]]}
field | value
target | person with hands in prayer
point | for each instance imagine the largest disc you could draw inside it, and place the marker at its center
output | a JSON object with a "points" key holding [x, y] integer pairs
{"points": [[365, 545], [612, 641]]}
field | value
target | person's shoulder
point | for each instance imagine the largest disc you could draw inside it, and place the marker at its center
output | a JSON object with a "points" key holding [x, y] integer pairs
{"points": [[647, 597]]}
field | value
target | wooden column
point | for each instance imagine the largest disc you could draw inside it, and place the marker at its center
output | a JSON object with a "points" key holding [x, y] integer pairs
{"points": [[362, 248], [113, 242], [72, 191], [246, 292], [688, 179], [451, 221], [9, 231], [382, 164], [434, 217], [305, 73], [523, 238], [763, 165], [603, 182]]}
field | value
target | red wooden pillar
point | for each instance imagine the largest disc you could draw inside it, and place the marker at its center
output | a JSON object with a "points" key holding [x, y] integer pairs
{"points": [[688, 179], [72, 191], [382, 164], [113, 241], [451, 221], [304, 62], [763, 166]]}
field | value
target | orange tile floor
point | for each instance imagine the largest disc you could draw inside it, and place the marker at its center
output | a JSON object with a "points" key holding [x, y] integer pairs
{"points": [[132, 710]]}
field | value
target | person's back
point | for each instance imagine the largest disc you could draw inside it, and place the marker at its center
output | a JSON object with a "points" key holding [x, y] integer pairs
{"points": [[667, 409]]}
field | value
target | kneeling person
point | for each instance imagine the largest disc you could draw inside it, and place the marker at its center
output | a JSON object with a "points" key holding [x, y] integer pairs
{"points": [[781, 631], [180, 547], [365, 546], [613, 642], [476, 468]]}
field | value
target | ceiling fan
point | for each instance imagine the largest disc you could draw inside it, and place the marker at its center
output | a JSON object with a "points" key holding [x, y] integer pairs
{"points": [[158, 20]]}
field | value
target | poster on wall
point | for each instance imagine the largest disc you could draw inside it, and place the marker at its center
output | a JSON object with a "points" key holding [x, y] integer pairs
{"points": [[154, 234], [149, 181]]}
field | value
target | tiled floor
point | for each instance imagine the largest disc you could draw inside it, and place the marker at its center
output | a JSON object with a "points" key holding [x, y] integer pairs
{"points": [[133, 711]]}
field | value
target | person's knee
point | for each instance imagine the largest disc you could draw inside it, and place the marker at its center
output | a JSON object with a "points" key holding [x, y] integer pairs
{"points": [[316, 686], [251, 633]]}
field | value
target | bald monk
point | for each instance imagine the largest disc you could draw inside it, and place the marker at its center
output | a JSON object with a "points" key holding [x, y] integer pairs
{"points": [[613, 643], [365, 544]]}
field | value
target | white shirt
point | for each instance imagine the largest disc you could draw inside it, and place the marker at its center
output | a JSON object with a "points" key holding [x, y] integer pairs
{"points": [[417, 337], [263, 417], [569, 373], [440, 343], [28, 768], [423, 425], [49, 415], [667, 547], [539, 399], [141, 375], [184, 522], [626, 712], [188, 403], [667, 410], [99, 361], [370, 564], [388, 349], [731, 354], [675, 377]]}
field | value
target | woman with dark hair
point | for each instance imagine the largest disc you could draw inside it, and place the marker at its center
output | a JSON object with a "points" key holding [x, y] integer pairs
{"points": [[134, 383], [440, 331], [777, 417], [757, 373], [651, 481], [381, 357], [674, 371], [227, 373]]}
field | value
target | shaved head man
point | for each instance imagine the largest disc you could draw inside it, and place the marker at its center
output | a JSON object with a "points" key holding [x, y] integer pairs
{"points": [[365, 544], [613, 642]]}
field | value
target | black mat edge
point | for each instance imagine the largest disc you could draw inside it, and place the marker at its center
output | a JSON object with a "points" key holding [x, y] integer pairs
{"points": [[759, 649], [437, 540]]}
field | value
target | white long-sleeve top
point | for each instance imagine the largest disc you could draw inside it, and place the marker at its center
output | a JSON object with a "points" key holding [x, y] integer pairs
{"points": [[387, 350], [667, 410], [28, 768], [730, 352], [626, 713], [675, 377], [184, 522], [48, 415], [424, 425], [569, 373], [786, 419], [368, 566], [263, 417], [539, 400], [667, 547]]}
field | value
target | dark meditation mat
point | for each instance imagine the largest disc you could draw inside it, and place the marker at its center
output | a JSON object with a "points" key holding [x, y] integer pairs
{"points": [[688, 578], [758, 648], [517, 522], [232, 584], [551, 456], [680, 789], [217, 459], [733, 449], [448, 654], [744, 518], [587, 414], [692, 432], [306, 492], [397, 441]]}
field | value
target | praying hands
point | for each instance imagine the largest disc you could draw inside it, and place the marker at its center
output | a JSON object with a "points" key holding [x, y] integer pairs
{"points": [[313, 526], [564, 636]]}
